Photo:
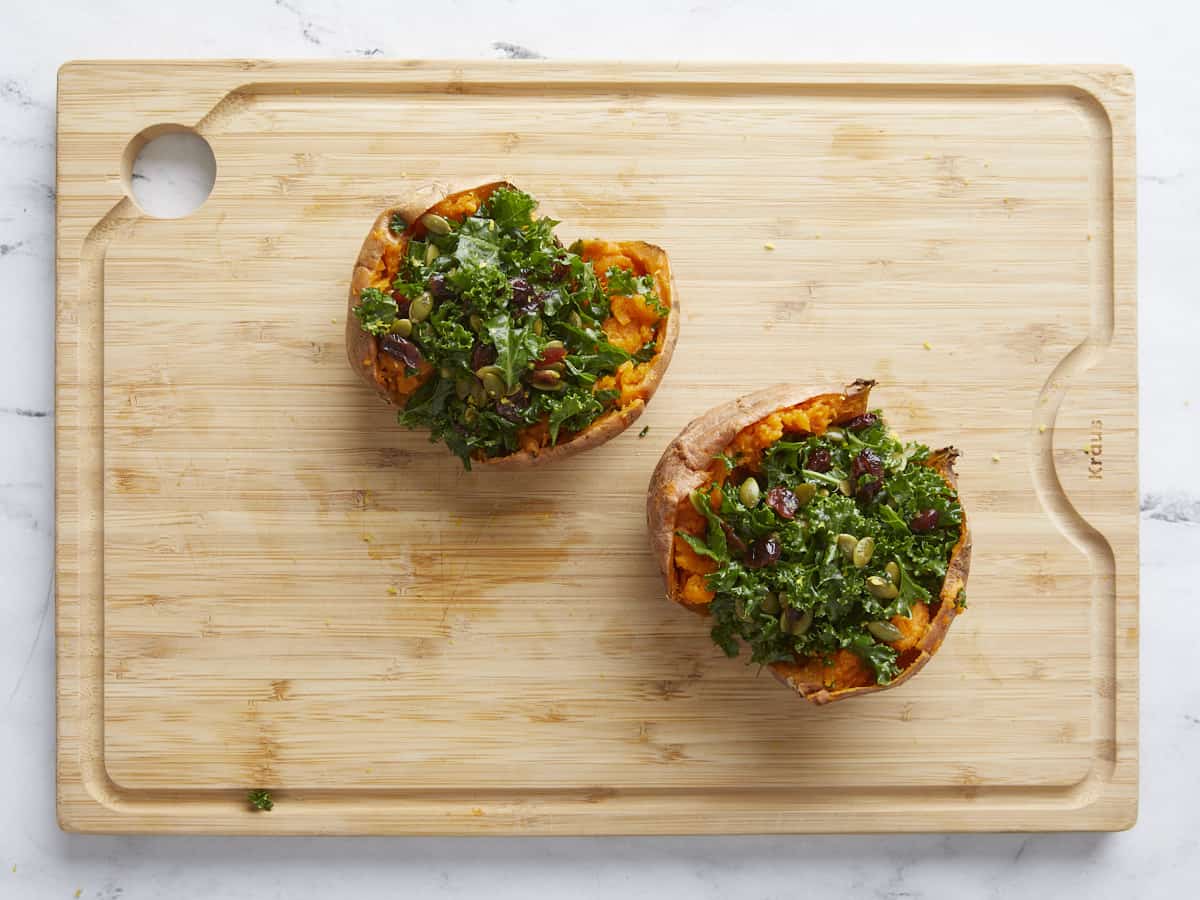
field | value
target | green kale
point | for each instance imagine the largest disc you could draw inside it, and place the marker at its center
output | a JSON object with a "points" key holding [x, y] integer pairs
{"points": [[812, 576], [375, 311], [511, 209], [516, 347], [260, 800]]}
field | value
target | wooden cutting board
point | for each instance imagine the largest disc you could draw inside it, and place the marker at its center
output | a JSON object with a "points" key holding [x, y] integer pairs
{"points": [[264, 583]]}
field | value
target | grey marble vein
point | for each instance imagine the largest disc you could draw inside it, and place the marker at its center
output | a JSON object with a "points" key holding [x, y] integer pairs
{"points": [[1177, 508], [515, 51]]}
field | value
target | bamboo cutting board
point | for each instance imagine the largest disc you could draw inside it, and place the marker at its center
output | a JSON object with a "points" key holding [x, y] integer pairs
{"points": [[264, 583]]}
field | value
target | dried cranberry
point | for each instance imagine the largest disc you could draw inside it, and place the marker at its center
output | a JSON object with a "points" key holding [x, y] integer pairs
{"points": [[560, 269], [858, 423], [482, 355], [440, 288], [867, 463], [819, 460], [524, 298], [513, 408], [924, 521], [783, 501], [764, 552], [736, 544], [402, 349], [550, 356], [402, 304]]}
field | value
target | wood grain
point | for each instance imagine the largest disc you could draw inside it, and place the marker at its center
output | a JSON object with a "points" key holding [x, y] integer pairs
{"points": [[263, 582]]}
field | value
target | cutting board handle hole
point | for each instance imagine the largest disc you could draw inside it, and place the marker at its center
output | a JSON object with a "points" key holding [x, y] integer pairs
{"points": [[168, 171]]}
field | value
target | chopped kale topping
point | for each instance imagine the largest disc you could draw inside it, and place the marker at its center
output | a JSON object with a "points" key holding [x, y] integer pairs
{"points": [[786, 586]]}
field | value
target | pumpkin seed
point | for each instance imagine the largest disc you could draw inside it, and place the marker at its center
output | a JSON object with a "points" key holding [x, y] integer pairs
{"points": [[795, 622], [749, 492], [844, 487], [493, 385], [538, 327], [885, 631], [835, 435], [431, 253], [476, 322], [846, 544], [862, 552], [478, 394], [420, 308], [805, 493], [770, 603], [435, 224], [546, 380], [553, 345], [575, 319], [492, 378], [470, 414], [881, 588], [402, 327], [892, 572]]}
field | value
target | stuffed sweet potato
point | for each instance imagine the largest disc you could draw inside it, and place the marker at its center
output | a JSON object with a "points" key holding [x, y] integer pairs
{"points": [[807, 531], [468, 313]]}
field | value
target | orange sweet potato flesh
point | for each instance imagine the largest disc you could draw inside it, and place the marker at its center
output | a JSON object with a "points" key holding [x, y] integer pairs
{"points": [[747, 426], [631, 325]]}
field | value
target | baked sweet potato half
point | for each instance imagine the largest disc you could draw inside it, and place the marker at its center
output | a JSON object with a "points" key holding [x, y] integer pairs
{"points": [[803, 526], [470, 315]]}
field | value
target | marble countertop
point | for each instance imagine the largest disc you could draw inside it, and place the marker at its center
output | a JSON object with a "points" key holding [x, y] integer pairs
{"points": [[1159, 857]]}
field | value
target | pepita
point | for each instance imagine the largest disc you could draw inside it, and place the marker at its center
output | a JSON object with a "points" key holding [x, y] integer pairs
{"points": [[770, 604], [470, 414], [805, 493], [431, 253], [435, 224], [575, 319], [881, 588], [885, 631], [863, 551], [846, 544], [546, 380], [749, 492], [492, 378], [892, 572], [835, 435], [538, 327], [402, 327], [844, 487], [795, 622], [420, 308]]}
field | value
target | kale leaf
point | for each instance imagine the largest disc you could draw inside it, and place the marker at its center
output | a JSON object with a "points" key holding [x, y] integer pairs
{"points": [[375, 311]]}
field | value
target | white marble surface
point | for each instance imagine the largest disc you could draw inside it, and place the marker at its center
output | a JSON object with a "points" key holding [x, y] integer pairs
{"points": [[1158, 858]]}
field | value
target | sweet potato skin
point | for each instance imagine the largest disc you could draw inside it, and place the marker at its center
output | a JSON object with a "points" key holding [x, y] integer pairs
{"points": [[685, 466], [378, 254]]}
